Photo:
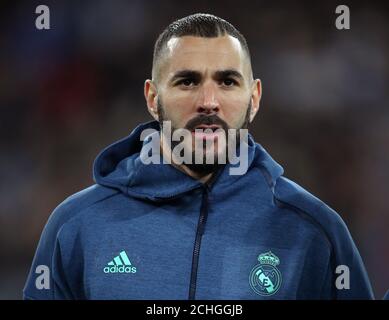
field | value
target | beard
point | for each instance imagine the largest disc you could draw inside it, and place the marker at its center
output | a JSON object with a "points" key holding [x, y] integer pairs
{"points": [[204, 168]]}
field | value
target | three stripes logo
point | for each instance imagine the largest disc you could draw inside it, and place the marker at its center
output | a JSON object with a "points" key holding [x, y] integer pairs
{"points": [[120, 264]]}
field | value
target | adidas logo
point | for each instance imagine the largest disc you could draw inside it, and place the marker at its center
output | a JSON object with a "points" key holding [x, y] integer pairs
{"points": [[120, 264]]}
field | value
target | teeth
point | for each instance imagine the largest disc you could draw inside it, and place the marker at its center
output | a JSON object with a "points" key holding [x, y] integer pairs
{"points": [[204, 128]]}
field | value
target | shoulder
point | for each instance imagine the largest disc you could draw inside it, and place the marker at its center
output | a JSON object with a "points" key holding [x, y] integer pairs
{"points": [[48, 252], [291, 195], [74, 205], [344, 250]]}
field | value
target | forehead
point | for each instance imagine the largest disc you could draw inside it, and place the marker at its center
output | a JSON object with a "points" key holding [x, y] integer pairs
{"points": [[204, 54]]}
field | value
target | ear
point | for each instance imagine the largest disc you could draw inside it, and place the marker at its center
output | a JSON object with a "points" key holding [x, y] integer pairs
{"points": [[256, 94], [151, 96]]}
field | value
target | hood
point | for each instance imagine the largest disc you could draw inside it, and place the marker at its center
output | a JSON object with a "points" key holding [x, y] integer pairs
{"points": [[119, 166]]}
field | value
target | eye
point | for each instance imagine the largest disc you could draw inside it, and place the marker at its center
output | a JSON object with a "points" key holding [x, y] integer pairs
{"points": [[229, 82], [187, 82]]}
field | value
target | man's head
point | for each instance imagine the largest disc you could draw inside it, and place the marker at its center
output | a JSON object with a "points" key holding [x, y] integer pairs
{"points": [[202, 75]]}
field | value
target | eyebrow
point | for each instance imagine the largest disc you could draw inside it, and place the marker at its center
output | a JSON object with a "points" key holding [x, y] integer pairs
{"points": [[220, 74], [185, 74]]}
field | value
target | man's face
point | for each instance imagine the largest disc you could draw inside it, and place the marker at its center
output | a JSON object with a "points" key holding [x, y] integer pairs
{"points": [[203, 83]]}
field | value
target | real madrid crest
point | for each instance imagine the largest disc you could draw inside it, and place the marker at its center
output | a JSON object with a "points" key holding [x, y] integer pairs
{"points": [[265, 279]]}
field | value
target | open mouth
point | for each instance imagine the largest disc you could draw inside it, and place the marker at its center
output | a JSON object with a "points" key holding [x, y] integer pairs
{"points": [[203, 127], [207, 132]]}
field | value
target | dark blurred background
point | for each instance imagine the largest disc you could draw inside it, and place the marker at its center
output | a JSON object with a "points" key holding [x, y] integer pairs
{"points": [[67, 92]]}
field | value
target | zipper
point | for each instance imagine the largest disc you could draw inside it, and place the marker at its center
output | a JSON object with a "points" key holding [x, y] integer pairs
{"points": [[199, 233], [196, 250]]}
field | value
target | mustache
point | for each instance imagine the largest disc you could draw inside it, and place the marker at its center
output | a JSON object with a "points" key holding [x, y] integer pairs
{"points": [[206, 120]]}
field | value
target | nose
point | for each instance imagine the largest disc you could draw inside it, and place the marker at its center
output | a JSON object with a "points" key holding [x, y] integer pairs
{"points": [[208, 102]]}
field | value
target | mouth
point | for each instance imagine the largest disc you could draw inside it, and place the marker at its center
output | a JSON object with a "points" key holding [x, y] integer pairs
{"points": [[206, 132], [203, 127]]}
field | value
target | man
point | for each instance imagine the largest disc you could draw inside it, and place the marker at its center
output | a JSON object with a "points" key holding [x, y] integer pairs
{"points": [[189, 229]]}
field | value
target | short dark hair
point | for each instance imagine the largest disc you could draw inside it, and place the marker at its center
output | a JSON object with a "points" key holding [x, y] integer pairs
{"points": [[198, 25]]}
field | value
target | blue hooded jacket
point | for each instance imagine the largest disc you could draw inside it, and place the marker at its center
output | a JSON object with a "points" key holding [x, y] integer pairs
{"points": [[153, 232]]}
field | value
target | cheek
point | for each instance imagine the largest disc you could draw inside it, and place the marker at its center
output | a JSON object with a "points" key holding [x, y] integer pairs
{"points": [[235, 111], [178, 110]]}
